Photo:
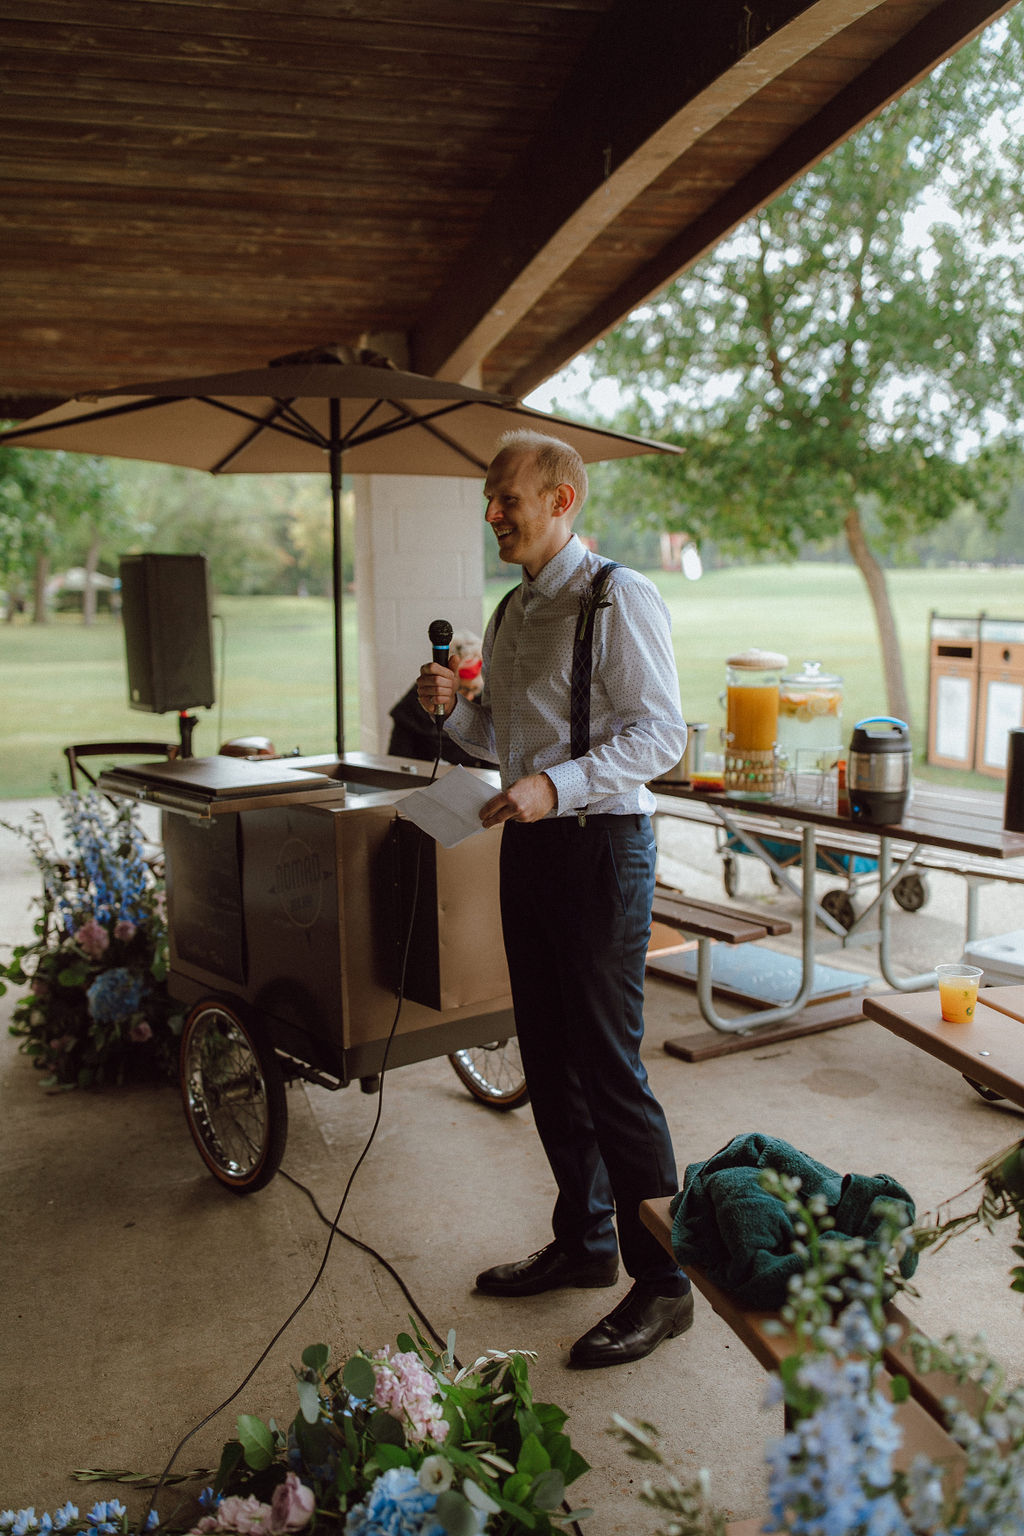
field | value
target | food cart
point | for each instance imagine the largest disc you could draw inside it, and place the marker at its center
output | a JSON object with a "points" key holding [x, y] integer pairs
{"points": [[315, 934]]}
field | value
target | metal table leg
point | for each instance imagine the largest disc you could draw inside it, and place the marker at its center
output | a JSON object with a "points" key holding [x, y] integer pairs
{"points": [[887, 878], [785, 1011]]}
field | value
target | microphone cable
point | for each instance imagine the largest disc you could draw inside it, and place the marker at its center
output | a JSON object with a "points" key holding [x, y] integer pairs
{"points": [[215, 1412]]}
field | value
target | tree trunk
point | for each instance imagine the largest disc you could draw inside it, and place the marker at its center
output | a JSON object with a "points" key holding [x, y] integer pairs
{"points": [[89, 590], [42, 571], [874, 579]]}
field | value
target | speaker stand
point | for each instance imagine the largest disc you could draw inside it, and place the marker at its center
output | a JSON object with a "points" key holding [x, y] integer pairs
{"points": [[186, 725]]}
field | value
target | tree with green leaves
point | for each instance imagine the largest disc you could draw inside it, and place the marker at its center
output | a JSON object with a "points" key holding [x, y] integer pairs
{"points": [[54, 507], [844, 362]]}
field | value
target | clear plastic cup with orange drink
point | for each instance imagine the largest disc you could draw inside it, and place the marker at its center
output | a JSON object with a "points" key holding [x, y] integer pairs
{"points": [[958, 992]]}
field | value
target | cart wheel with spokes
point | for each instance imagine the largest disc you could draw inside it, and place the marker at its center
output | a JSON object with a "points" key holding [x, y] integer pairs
{"points": [[233, 1090], [838, 905], [493, 1073], [910, 892]]}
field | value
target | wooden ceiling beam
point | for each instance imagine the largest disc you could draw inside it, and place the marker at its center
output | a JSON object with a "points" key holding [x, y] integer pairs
{"points": [[654, 78], [909, 60]]}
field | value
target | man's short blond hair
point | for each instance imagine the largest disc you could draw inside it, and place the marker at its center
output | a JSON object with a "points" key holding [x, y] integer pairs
{"points": [[558, 463]]}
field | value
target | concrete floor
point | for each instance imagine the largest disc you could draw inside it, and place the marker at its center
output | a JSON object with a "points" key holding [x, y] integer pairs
{"points": [[137, 1294]]}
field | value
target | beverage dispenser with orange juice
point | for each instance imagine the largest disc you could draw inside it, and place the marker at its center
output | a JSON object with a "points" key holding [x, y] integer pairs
{"points": [[751, 722]]}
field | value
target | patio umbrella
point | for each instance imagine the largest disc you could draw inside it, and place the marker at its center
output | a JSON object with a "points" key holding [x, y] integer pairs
{"points": [[325, 409]]}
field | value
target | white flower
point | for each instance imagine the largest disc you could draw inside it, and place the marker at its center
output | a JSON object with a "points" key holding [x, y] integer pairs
{"points": [[435, 1474]]}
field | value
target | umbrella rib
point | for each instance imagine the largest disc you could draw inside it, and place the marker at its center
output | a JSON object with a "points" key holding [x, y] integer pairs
{"points": [[127, 409], [408, 418], [259, 424]]}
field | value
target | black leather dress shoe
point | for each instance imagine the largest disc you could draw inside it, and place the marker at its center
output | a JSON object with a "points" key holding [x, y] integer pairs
{"points": [[547, 1270], [636, 1326]]}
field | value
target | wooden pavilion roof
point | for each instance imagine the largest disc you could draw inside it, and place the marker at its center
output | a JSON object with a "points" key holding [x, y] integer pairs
{"points": [[479, 187]]}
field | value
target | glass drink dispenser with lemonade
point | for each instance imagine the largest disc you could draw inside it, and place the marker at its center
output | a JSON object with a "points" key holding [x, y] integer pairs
{"points": [[810, 719]]}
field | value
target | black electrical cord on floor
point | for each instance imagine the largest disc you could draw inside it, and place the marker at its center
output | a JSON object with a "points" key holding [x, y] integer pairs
{"points": [[215, 1412], [357, 1242]]}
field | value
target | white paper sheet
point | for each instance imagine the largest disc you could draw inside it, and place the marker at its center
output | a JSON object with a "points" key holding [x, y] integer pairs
{"points": [[449, 810]]}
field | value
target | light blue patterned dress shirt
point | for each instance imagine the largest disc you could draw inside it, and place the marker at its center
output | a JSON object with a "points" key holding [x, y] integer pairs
{"points": [[521, 719]]}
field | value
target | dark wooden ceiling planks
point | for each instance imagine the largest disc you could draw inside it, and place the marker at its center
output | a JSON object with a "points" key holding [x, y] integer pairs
{"points": [[193, 187]]}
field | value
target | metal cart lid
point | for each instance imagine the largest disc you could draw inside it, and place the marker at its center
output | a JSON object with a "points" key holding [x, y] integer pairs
{"points": [[205, 786]]}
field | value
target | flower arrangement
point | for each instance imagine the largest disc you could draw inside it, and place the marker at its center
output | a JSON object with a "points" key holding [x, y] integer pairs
{"points": [[401, 1443], [833, 1473], [97, 1008]]}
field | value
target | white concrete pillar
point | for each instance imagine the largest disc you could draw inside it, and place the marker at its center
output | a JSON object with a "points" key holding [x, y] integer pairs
{"points": [[418, 556]]}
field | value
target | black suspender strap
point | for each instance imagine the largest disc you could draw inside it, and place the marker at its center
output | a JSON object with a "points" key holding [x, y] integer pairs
{"points": [[583, 662], [499, 612]]}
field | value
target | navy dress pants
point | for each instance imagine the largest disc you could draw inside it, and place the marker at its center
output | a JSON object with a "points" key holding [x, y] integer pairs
{"points": [[576, 914]]}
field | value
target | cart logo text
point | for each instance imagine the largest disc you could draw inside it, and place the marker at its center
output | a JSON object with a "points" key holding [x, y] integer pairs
{"points": [[298, 882]]}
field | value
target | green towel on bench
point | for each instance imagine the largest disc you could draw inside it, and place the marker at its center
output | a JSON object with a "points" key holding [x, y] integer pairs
{"points": [[742, 1237]]}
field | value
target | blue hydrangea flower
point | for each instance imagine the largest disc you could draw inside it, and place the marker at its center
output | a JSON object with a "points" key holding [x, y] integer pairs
{"points": [[115, 995], [65, 1516], [396, 1505]]}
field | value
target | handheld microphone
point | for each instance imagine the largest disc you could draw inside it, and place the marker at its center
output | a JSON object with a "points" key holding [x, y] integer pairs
{"points": [[439, 634]]}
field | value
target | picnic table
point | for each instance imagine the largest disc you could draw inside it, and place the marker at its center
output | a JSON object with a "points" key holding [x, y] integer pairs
{"points": [[988, 1050], [962, 829]]}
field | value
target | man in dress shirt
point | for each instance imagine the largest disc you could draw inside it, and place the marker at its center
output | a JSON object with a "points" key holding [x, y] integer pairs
{"points": [[577, 880]]}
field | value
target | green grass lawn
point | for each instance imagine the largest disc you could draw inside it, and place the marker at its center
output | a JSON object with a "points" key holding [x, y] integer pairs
{"points": [[62, 682]]}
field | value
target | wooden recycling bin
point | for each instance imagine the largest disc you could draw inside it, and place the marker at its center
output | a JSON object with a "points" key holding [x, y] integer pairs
{"points": [[954, 652], [1000, 692]]}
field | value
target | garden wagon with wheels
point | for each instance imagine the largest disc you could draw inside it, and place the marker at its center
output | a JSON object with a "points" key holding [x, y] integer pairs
{"points": [[315, 935], [909, 892]]}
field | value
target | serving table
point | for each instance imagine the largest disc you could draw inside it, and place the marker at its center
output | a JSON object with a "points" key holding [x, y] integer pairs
{"points": [[968, 823]]}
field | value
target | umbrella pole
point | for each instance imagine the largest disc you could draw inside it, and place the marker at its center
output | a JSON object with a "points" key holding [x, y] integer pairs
{"points": [[339, 565]]}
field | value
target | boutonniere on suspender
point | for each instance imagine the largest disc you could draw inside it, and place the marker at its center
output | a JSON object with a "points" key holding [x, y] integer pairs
{"points": [[590, 602]]}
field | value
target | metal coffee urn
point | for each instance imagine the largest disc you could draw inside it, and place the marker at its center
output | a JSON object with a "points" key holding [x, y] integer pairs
{"points": [[878, 773]]}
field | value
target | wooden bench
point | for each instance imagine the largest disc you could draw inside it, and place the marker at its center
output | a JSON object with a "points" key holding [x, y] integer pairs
{"points": [[922, 1417], [678, 922], [975, 869], [674, 912]]}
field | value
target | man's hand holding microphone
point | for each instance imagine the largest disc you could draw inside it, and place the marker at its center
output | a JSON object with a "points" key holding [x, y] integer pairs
{"points": [[528, 799], [436, 686]]}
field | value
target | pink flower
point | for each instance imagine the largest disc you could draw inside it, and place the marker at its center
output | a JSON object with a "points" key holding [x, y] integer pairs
{"points": [[140, 1032], [291, 1510], [292, 1505], [234, 1513], [93, 938], [405, 1388], [124, 931]]}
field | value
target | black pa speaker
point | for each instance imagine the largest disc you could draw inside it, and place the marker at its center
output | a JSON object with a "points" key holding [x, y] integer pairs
{"points": [[168, 632]]}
